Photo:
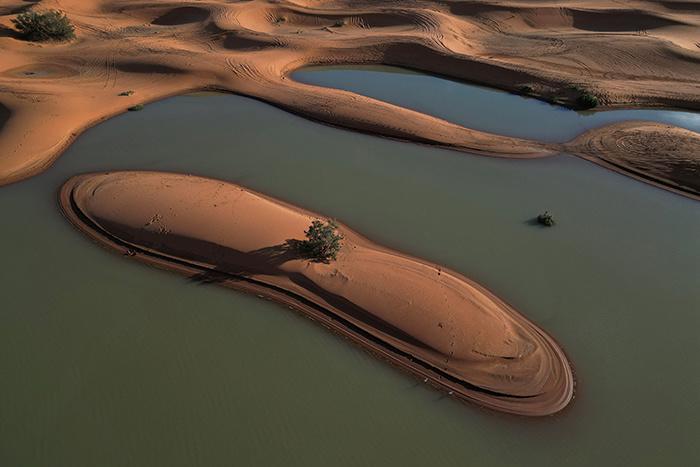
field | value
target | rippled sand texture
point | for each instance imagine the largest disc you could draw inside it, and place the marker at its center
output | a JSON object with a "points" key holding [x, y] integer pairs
{"points": [[427, 319], [642, 53]]}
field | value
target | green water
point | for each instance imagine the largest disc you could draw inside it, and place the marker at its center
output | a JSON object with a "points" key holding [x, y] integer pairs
{"points": [[105, 362], [479, 107]]}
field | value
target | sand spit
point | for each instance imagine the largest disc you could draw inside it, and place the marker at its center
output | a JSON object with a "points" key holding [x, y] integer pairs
{"points": [[434, 322], [660, 154], [645, 54]]}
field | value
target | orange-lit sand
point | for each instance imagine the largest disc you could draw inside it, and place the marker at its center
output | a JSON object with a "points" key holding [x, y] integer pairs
{"points": [[629, 54], [434, 322]]}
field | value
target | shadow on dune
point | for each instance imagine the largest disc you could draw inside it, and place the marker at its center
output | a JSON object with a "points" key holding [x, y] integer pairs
{"points": [[182, 15], [232, 265], [147, 67], [4, 116]]}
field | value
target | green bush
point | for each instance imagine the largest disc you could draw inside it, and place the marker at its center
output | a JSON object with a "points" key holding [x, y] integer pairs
{"points": [[136, 108], [322, 242], [525, 89], [51, 25], [545, 219], [586, 101]]}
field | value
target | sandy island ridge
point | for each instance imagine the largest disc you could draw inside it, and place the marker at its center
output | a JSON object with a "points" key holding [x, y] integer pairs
{"points": [[424, 318], [643, 54]]}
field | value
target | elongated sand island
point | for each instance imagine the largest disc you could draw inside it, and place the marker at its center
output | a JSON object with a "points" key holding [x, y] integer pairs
{"points": [[433, 322]]}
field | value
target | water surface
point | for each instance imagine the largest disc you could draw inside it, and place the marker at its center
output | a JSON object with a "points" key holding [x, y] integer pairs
{"points": [[107, 362], [480, 107]]}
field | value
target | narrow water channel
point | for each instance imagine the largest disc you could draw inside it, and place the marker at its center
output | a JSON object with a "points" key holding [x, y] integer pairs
{"points": [[479, 107], [108, 362]]}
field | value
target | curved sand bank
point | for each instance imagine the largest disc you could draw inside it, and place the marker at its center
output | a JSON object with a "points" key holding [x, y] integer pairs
{"points": [[432, 321], [655, 153], [644, 54]]}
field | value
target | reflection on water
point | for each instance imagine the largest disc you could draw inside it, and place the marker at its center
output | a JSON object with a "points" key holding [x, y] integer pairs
{"points": [[479, 107]]}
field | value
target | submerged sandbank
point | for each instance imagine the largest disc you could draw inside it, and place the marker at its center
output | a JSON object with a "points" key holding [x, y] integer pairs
{"points": [[432, 321]]}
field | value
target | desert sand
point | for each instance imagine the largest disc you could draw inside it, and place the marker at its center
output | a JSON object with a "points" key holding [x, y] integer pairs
{"points": [[432, 321], [660, 154], [629, 54]]}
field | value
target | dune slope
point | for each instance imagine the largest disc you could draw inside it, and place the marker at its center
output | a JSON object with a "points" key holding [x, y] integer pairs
{"points": [[642, 54], [432, 321]]}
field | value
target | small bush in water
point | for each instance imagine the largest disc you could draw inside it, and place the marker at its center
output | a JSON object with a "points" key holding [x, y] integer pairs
{"points": [[322, 242], [52, 25], [545, 219]]}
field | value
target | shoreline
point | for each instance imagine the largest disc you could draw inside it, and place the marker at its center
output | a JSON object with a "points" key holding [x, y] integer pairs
{"points": [[246, 51], [571, 147], [398, 352]]}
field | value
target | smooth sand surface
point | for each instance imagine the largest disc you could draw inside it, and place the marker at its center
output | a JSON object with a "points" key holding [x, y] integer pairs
{"points": [[432, 321], [660, 154], [640, 54]]}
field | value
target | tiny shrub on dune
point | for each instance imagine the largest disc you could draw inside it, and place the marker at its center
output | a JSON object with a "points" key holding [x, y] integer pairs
{"points": [[586, 101], [322, 242], [52, 25]]}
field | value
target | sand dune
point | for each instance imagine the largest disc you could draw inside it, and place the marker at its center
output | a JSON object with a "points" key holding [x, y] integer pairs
{"points": [[660, 154], [642, 54], [427, 319]]}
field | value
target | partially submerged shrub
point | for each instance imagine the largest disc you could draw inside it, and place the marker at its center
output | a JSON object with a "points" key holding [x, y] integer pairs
{"points": [[52, 25], [545, 219], [322, 242], [136, 108], [586, 101]]}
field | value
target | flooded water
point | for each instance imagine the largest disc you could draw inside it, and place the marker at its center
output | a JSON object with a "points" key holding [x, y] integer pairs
{"points": [[479, 107], [107, 362]]}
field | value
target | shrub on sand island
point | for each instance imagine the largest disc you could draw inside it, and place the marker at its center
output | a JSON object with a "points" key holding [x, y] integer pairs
{"points": [[323, 242]]}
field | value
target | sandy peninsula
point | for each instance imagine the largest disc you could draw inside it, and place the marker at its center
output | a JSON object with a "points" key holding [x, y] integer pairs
{"points": [[434, 322], [630, 54], [663, 155]]}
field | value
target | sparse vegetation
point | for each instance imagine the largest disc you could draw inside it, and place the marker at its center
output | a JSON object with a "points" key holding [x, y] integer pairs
{"points": [[545, 219], [586, 101], [127, 93], [323, 242], [136, 108], [51, 25]]}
